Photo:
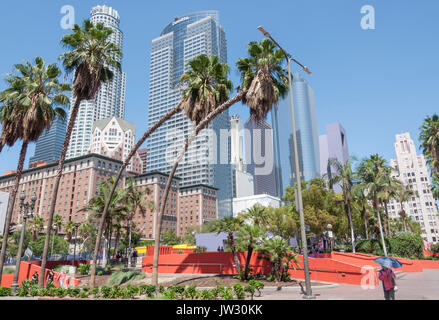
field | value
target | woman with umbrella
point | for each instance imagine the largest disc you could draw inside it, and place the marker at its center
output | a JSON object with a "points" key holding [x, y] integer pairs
{"points": [[387, 276]]}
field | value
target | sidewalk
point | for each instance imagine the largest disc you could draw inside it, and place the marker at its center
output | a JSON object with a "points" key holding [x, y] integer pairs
{"points": [[411, 286]]}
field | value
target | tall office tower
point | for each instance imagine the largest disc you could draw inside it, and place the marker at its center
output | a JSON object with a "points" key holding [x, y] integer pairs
{"points": [[49, 145], [114, 138], [110, 100], [142, 153], [333, 145], [261, 158], [411, 169], [207, 161], [306, 133]]}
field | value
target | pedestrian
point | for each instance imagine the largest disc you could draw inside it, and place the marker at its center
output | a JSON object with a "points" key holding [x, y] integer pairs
{"points": [[218, 249], [35, 277], [50, 276], [222, 249], [387, 276], [61, 278]]}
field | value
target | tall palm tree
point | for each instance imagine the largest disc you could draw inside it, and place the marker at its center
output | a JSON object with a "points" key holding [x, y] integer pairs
{"points": [[429, 139], [90, 56], [390, 187], [359, 193], [69, 228], [248, 237], [28, 107], [343, 174], [263, 82], [404, 194], [373, 173]]}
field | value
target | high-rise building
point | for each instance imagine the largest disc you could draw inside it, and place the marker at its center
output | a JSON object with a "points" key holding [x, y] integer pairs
{"points": [[306, 133], [49, 145], [260, 162], [143, 154], [114, 137], [411, 169], [110, 100], [333, 145], [207, 161], [4, 201]]}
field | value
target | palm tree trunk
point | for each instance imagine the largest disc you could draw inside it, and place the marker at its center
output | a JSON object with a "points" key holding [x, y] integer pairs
{"points": [[194, 134], [129, 246], [235, 256], [365, 223], [389, 230], [348, 205], [247, 262], [55, 189], [119, 175], [8, 219], [376, 207]]}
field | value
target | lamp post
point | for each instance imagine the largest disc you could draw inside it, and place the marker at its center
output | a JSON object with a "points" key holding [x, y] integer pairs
{"points": [[77, 224], [26, 210], [329, 226], [308, 293]]}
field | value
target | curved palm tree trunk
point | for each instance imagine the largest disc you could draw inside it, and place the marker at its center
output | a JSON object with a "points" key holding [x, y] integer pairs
{"points": [[194, 134], [11, 205], [166, 117], [55, 189], [235, 256], [129, 246]]}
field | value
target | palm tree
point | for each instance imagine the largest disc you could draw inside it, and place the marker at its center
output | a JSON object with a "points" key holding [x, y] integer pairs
{"points": [[36, 225], [69, 228], [90, 57], [257, 215], [429, 139], [373, 173], [263, 82], [359, 193], [404, 194], [248, 237], [29, 106], [343, 174], [57, 223], [230, 225], [134, 202], [390, 186]]}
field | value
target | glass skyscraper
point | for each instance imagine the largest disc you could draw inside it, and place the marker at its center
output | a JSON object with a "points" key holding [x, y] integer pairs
{"points": [[49, 145], [110, 100], [306, 133], [181, 40]]}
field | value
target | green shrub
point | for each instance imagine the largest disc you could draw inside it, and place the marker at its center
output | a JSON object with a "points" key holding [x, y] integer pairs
{"points": [[239, 291], [34, 290], [190, 292], [105, 292], [435, 248], [216, 292], [227, 293], [4, 291], [207, 294], [170, 294], [406, 246], [257, 285], [132, 291], [180, 252], [96, 292], [73, 292], [161, 289], [61, 292], [200, 249], [84, 268], [84, 294], [23, 290], [147, 289]]}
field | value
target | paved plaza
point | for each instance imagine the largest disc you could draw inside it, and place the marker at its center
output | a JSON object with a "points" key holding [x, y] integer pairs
{"points": [[411, 286]]}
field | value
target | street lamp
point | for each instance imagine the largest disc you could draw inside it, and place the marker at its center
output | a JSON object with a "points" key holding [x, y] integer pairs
{"points": [[77, 224], [308, 293], [26, 210]]}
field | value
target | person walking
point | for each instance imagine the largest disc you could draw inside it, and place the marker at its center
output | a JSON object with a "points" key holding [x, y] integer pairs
{"points": [[387, 276], [61, 278], [35, 277]]}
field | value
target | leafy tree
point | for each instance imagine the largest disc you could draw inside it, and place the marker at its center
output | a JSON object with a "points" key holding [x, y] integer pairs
{"points": [[87, 234], [170, 238], [29, 105], [35, 226], [15, 240], [60, 246], [404, 194]]}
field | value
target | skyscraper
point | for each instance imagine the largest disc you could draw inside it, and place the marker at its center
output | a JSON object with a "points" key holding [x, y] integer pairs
{"points": [[261, 158], [411, 169], [333, 145], [110, 100], [306, 133], [181, 40], [49, 145]]}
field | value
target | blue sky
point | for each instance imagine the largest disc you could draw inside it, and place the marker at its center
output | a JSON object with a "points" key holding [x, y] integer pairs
{"points": [[376, 83]]}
